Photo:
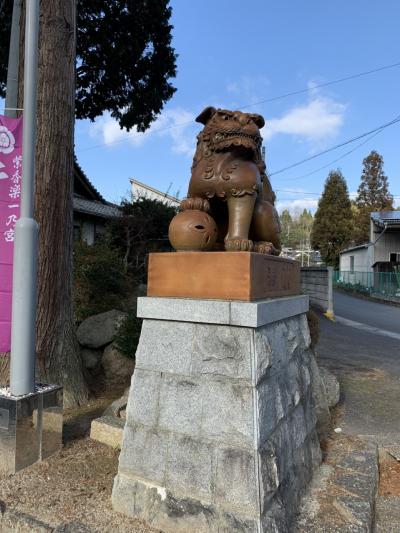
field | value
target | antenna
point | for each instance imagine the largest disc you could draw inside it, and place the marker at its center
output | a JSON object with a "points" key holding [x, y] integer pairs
{"points": [[169, 188]]}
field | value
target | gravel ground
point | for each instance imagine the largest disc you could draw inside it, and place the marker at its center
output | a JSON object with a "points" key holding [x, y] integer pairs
{"points": [[72, 486]]}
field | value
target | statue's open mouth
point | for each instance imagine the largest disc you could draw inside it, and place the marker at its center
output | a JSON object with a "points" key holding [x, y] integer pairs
{"points": [[230, 134], [237, 141]]}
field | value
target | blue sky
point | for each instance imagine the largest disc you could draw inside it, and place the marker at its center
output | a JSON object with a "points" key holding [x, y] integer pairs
{"points": [[234, 54]]}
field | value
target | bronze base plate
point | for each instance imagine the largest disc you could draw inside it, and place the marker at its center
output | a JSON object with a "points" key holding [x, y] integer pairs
{"points": [[245, 276]]}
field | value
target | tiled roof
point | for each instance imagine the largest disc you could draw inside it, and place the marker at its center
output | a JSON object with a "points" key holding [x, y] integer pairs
{"points": [[99, 209], [86, 183]]}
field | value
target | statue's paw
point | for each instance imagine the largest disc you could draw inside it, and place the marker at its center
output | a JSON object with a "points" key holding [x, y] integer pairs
{"points": [[238, 245], [263, 247], [200, 204]]}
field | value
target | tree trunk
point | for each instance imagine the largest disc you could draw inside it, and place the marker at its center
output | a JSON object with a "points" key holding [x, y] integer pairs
{"points": [[57, 347]]}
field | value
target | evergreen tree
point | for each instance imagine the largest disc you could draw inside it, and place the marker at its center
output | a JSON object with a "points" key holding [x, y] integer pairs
{"points": [[286, 227], [296, 229], [332, 228], [373, 195], [124, 58]]}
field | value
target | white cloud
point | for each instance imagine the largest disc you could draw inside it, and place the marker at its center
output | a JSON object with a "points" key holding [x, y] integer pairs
{"points": [[176, 124], [298, 205], [316, 121], [246, 91]]}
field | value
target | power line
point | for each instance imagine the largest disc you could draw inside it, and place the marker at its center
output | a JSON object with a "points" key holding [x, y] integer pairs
{"points": [[335, 160], [339, 80], [274, 98], [379, 128]]}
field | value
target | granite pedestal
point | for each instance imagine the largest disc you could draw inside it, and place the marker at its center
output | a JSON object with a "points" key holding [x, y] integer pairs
{"points": [[220, 433]]}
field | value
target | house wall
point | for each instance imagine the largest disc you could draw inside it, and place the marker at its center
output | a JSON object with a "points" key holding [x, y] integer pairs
{"points": [[387, 244], [363, 261], [89, 228], [143, 192]]}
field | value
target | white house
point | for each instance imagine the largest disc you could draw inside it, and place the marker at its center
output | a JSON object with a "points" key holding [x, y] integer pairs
{"points": [[141, 190], [359, 263]]}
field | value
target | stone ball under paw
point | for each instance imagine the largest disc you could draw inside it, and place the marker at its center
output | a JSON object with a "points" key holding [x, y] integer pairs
{"points": [[192, 230]]}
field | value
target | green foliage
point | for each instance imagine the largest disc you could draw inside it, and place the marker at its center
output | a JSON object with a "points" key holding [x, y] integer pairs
{"points": [[332, 229], [296, 229], [100, 283], [124, 59], [106, 273], [143, 228], [127, 337], [353, 287], [373, 195]]}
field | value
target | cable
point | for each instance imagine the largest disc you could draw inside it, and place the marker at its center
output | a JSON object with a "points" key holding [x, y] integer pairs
{"points": [[301, 91], [335, 160], [394, 121]]}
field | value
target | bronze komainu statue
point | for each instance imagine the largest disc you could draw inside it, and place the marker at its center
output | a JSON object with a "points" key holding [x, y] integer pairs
{"points": [[230, 203]]}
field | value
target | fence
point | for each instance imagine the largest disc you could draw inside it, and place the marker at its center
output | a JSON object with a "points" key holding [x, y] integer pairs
{"points": [[374, 283]]}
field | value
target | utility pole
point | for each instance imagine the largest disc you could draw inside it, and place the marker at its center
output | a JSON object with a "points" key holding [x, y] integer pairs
{"points": [[13, 62], [24, 299]]}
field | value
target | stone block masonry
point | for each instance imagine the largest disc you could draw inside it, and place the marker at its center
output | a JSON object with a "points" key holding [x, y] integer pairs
{"points": [[220, 433], [317, 283]]}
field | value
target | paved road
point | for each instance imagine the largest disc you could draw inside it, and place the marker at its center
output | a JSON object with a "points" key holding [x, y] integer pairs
{"points": [[378, 315], [368, 367]]}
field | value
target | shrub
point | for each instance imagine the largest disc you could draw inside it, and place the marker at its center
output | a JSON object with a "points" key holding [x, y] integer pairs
{"points": [[100, 283]]}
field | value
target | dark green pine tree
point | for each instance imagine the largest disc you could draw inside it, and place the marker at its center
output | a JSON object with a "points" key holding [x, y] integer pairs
{"points": [[124, 58], [332, 228], [373, 195]]}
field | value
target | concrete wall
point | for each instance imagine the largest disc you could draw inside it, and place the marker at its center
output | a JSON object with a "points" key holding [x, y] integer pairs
{"points": [[317, 283]]}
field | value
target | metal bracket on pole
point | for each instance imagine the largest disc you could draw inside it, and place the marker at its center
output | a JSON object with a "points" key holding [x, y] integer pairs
{"points": [[23, 336]]}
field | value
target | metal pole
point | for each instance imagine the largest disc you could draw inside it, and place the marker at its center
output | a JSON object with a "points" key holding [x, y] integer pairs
{"points": [[23, 334], [13, 63]]}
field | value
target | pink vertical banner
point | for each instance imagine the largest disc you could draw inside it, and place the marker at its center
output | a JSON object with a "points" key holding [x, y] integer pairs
{"points": [[10, 196]]}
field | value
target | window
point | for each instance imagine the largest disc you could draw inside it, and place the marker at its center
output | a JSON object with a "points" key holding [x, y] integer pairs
{"points": [[77, 232], [394, 258], [352, 263]]}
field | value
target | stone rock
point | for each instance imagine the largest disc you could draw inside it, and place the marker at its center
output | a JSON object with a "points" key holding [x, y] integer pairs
{"points": [[332, 386], [118, 368], [91, 358], [320, 399], [99, 330], [118, 407], [108, 430]]}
